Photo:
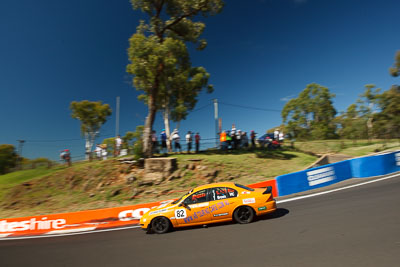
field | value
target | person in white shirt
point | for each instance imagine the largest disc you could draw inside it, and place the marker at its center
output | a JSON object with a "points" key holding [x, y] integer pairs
{"points": [[118, 144], [276, 134], [175, 138], [98, 151], [281, 137], [104, 152], [189, 141]]}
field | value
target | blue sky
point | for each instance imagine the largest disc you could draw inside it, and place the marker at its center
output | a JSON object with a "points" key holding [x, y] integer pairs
{"points": [[260, 54]]}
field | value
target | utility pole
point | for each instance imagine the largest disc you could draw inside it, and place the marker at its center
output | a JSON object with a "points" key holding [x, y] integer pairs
{"points": [[216, 122], [117, 119], [20, 145]]}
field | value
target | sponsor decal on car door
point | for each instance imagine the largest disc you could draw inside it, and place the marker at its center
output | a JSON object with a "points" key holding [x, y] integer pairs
{"points": [[221, 204], [196, 209]]}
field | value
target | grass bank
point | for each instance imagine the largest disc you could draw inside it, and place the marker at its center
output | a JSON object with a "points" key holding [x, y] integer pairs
{"points": [[354, 148], [101, 184]]}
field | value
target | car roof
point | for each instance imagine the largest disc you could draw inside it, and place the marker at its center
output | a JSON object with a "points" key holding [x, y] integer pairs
{"points": [[221, 184]]}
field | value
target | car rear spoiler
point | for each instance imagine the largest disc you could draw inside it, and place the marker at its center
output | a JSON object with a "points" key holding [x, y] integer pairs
{"points": [[268, 190]]}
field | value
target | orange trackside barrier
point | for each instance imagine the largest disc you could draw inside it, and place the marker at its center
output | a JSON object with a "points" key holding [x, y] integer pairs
{"points": [[87, 220], [75, 221]]}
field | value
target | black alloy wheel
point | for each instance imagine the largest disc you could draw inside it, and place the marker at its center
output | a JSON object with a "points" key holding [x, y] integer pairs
{"points": [[244, 214], [160, 225]]}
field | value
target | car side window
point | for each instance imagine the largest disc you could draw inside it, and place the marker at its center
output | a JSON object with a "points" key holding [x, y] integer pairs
{"points": [[232, 192], [218, 193], [198, 197]]}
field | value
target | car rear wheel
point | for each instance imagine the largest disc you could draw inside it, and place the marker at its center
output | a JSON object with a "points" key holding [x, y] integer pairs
{"points": [[244, 214], [160, 225]]}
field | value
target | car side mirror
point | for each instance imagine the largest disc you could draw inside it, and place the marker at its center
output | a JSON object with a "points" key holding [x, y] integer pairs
{"points": [[185, 206]]}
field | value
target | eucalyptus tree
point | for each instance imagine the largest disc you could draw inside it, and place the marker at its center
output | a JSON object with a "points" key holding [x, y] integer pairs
{"points": [[311, 114], [8, 158], [367, 103], [387, 120], [395, 70], [351, 124], [182, 96], [158, 53], [92, 116]]}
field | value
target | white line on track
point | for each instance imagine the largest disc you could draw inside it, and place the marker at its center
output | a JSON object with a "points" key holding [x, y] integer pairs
{"points": [[68, 234], [68, 231], [137, 226], [4, 235]]}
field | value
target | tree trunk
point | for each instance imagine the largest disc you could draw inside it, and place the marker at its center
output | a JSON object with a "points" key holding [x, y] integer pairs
{"points": [[167, 127], [88, 145], [148, 127]]}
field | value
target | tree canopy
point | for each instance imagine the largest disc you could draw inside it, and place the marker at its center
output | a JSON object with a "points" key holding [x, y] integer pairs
{"points": [[387, 121], [395, 69], [8, 158], [160, 61], [92, 116], [311, 114]]}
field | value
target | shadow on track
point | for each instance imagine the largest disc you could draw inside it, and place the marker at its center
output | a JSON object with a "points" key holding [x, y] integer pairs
{"points": [[280, 212]]}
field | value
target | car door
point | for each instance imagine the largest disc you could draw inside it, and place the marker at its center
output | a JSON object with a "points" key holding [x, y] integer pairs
{"points": [[222, 202], [195, 209]]}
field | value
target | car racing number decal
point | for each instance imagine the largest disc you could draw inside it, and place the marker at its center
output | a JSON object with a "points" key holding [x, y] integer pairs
{"points": [[180, 213]]}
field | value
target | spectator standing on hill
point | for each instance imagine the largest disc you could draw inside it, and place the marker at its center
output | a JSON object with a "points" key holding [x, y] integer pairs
{"points": [[98, 151], [118, 145], [66, 157], [233, 136], [197, 142], [176, 139], [238, 139], [104, 152], [163, 137], [281, 137], [223, 140], [228, 140], [276, 134], [245, 140], [253, 139], [154, 141], [189, 141]]}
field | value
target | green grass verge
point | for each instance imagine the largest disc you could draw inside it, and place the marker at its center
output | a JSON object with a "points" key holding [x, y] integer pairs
{"points": [[354, 148]]}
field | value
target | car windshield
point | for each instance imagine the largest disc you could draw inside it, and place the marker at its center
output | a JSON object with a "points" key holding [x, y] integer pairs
{"points": [[179, 199], [244, 187]]}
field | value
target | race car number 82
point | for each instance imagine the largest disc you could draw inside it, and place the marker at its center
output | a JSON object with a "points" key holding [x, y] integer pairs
{"points": [[180, 214]]}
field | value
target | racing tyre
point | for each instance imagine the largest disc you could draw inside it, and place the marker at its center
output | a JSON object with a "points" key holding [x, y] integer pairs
{"points": [[160, 225], [244, 214]]}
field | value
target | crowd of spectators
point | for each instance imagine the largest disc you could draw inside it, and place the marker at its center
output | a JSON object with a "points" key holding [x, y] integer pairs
{"points": [[175, 141], [229, 140], [237, 139]]}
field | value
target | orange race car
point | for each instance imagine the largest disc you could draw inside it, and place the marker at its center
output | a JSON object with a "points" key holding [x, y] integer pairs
{"points": [[212, 203]]}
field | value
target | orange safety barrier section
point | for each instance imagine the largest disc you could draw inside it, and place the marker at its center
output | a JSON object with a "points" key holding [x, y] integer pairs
{"points": [[76, 221], [80, 221]]}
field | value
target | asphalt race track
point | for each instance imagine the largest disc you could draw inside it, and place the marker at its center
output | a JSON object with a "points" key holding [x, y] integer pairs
{"points": [[358, 226]]}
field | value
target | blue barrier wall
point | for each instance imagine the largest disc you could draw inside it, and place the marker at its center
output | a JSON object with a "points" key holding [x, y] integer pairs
{"points": [[332, 173], [313, 178], [375, 165]]}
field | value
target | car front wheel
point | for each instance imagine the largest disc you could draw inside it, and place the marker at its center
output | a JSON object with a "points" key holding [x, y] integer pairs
{"points": [[160, 225], [244, 214]]}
